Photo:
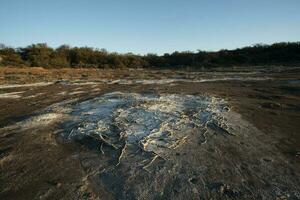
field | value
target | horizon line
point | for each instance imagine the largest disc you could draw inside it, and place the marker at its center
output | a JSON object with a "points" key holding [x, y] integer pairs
{"points": [[144, 54]]}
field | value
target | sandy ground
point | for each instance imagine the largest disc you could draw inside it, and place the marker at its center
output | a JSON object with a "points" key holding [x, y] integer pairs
{"points": [[252, 152]]}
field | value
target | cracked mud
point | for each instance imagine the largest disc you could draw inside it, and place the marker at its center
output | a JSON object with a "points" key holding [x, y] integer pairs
{"points": [[151, 140]]}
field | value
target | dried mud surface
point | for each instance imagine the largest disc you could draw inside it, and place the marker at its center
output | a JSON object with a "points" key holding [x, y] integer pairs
{"points": [[151, 135]]}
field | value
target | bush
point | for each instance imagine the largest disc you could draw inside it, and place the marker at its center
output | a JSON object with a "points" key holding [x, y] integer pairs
{"points": [[41, 55]]}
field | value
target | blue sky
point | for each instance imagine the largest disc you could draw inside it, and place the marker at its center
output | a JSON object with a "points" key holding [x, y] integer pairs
{"points": [[144, 26]]}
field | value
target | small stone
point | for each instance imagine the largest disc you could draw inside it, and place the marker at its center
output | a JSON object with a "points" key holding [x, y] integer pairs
{"points": [[58, 185]]}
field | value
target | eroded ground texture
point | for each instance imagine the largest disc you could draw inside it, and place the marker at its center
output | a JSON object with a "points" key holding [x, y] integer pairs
{"points": [[151, 135]]}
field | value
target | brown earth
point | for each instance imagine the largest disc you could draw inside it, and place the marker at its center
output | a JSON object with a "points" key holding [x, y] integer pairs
{"points": [[35, 165]]}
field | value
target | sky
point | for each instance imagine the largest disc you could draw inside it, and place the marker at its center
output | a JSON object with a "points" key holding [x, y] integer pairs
{"points": [[149, 26]]}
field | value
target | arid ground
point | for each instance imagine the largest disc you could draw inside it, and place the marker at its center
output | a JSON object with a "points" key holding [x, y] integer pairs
{"points": [[150, 134]]}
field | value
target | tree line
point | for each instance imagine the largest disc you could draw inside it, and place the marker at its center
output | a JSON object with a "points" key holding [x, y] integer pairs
{"points": [[41, 55]]}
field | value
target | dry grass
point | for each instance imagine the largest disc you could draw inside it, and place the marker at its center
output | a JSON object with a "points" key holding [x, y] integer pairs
{"points": [[38, 74], [21, 75]]}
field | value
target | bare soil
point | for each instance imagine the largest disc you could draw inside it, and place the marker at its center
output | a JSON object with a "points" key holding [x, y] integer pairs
{"points": [[261, 163]]}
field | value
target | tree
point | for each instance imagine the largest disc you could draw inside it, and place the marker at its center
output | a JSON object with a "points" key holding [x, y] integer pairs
{"points": [[10, 57], [38, 55], [66, 56]]}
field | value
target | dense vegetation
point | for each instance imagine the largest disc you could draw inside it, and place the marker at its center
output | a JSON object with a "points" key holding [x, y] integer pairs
{"points": [[41, 55]]}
